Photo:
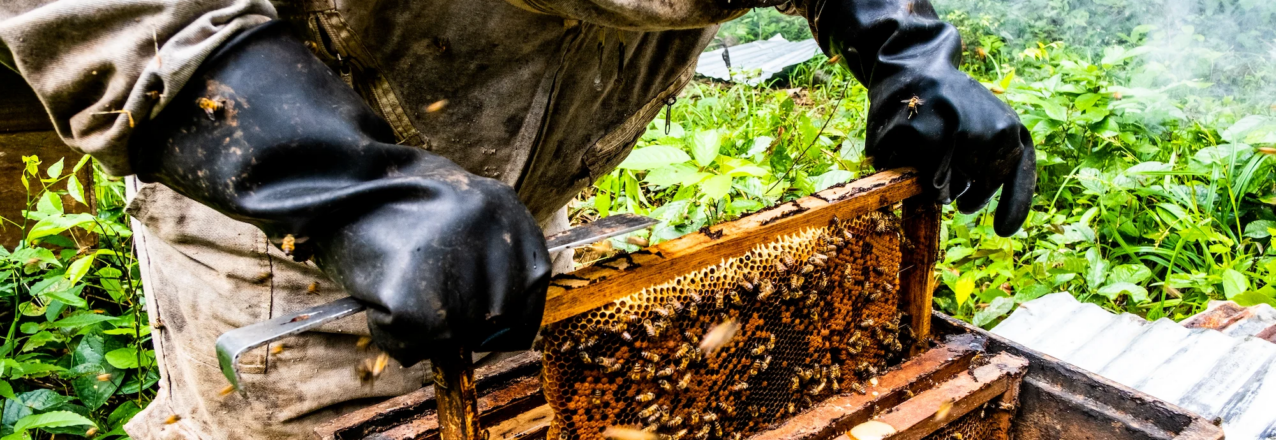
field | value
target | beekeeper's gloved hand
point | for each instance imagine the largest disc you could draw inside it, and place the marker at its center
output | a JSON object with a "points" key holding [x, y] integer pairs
{"points": [[268, 135], [924, 112]]}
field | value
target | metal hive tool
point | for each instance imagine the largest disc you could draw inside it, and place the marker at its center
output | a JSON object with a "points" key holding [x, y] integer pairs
{"points": [[818, 312]]}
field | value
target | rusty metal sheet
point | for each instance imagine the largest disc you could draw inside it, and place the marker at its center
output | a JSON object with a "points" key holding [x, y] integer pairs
{"points": [[1203, 370], [1233, 320]]}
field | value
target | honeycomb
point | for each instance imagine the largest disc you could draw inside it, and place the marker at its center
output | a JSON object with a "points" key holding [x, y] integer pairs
{"points": [[986, 423], [817, 313]]}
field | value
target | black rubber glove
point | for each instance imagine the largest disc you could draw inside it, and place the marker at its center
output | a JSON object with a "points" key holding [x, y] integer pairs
{"points": [[925, 113], [268, 135]]}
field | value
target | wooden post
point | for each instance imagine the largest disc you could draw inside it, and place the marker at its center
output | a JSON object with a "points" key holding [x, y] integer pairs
{"points": [[455, 396], [921, 218]]}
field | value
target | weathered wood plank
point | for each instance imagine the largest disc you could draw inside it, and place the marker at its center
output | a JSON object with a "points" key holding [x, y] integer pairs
{"points": [[611, 279], [455, 395], [922, 217]]}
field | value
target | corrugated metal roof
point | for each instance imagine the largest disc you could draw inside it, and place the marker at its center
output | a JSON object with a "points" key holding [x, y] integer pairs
{"points": [[767, 56], [1224, 374]]}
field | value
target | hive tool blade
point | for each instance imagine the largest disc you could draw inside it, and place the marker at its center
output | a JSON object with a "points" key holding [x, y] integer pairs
{"points": [[234, 343]]}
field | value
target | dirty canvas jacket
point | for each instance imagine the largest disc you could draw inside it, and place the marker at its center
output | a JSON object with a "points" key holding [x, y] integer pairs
{"points": [[545, 95]]}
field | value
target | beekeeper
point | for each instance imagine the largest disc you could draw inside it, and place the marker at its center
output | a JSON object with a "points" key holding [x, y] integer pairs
{"points": [[410, 153]]}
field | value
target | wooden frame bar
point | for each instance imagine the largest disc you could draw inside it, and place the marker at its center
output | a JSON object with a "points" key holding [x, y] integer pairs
{"points": [[611, 279]]}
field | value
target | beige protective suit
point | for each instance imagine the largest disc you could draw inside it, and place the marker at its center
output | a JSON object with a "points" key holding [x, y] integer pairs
{"points": [[546, 95]]}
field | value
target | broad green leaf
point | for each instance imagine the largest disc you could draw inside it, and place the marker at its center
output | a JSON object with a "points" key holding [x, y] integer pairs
{"points": [[716, 187], [84, 160], [999, 307], [127, 357], [55, 170], [52, 419], [1253, 298], [6, 391], [964, 287], [69, 296], [49, 204], [760, 145], [747, 170], [676, 174], [831, 178], [75, 189], [1234, 283], [56, 224], [1087, 100], [38, 340], [655, 156], [705, 146], [1259, 229], [1113, 291], [82, 320], [122, 414], [79, 268], [1130, 273]]}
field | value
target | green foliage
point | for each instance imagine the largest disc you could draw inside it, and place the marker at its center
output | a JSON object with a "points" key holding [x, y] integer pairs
{"points": [[762, 24], [1155, 195], [77, 347]]}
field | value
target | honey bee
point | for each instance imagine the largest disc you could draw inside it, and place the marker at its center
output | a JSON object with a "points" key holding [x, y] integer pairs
{"points": [[770, 343], [676, 306], [626, 336], [636, 373], [780, 267], [766, 290], [806, 269], [693, 311], [210, 107], [818, 388], [709, 417], [736, 300], [914, 104], [684, 382], [835, 386], [867, 323], [226, 391], [873, 296], [649, 411], [567, 346], [584, 357], [832, 249], [273, 350], [172, 419], [436, 106], [788, 260], [745, 285], [660, 311], [858, 387], [633, 318], [727, 408], [652, 357], [835, 372], [104, 377], [794, 383], [896, 346], [758, 350], [718, 300], [652, 330], [795, 282], [678, 435], [666, 372], [792, 408], [703, 432], [370, 369], [645, 397], [682, 351], [313, 288], [766, 363], [665, 385], [820, 260], [804, 374], [674, 422], [740, 386]]}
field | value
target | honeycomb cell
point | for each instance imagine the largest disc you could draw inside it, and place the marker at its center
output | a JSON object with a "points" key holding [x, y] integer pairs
{"points": [[818, 314]]}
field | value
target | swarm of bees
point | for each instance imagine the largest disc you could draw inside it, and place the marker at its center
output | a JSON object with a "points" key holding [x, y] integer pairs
{"points": [[724, 351]]}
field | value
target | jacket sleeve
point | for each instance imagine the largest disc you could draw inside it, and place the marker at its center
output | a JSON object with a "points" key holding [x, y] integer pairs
{"points": [[100, 67]]}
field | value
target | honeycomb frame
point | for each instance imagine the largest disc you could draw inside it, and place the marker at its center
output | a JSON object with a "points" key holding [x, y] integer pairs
{"points": [[819, 315]]}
